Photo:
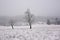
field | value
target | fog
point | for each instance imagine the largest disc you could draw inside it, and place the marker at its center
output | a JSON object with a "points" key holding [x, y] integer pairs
{"points": [[37, 7]]}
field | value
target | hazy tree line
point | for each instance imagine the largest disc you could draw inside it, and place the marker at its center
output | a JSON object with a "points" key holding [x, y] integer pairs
{"points": [[28, 17], [57, 21]]}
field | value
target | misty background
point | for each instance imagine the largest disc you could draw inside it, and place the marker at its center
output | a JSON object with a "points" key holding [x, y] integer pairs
{"points": [[15, 9], [37, 7]]}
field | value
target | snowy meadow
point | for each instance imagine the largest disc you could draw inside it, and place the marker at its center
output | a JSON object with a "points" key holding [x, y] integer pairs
{"points": [[38, 32]]}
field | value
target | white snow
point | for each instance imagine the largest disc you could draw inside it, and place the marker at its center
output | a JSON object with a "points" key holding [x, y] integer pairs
{"points": [[38, 32]]}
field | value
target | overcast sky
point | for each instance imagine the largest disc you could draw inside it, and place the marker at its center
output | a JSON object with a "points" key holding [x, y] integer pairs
{"points": [[37, 7]]}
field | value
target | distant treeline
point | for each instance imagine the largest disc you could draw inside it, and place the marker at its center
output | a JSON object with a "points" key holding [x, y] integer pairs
{"points": [[4, 20]]}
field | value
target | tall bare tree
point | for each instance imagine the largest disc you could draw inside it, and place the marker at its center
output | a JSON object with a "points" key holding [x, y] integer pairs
{"points": [[29, 17]]}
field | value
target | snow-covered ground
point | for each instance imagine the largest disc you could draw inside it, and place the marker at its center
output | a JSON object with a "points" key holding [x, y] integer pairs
{"points": [[38, 32]]}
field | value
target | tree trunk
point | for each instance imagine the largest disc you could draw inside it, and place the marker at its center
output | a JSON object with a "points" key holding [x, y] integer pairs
{"points": [[30, 25], [12, 27]]}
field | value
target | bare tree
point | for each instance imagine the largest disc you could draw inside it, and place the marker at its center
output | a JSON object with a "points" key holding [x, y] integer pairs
{"points": [[12, 22], [29, 18]]}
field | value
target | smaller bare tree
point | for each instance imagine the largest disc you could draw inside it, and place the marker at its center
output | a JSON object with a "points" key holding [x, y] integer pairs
{"points": [[12, 22]]}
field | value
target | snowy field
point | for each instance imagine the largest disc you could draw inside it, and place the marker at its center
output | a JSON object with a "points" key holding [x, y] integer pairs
{"points": [[38, 32]]}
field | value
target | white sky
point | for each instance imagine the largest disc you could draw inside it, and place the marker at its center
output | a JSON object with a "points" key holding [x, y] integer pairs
{"points": [[37, 7]]}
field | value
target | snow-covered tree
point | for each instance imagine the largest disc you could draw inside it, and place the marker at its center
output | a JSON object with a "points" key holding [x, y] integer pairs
{"points": [[29, 17]]}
